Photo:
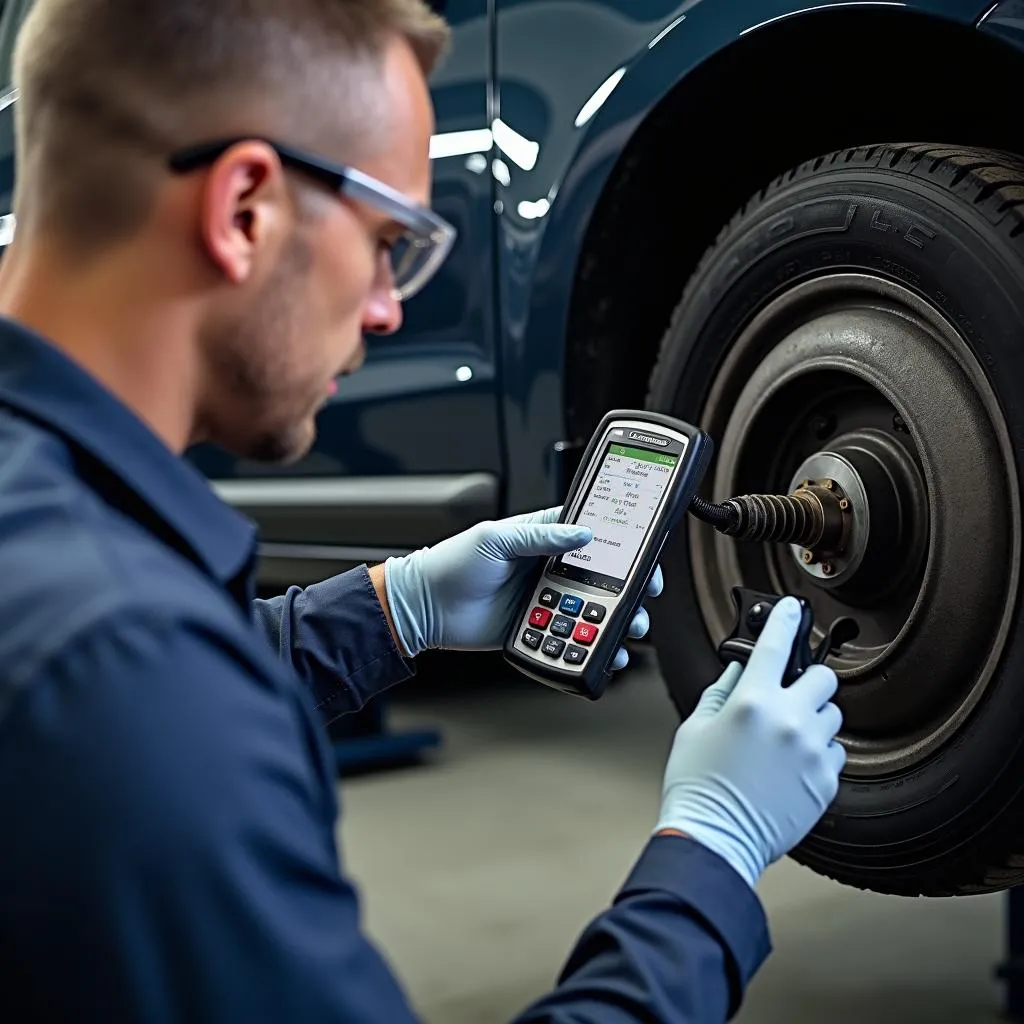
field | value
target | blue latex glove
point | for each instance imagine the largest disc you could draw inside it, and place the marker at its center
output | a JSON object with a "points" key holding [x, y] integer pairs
{"points": [[463, 593], [756, 765]]}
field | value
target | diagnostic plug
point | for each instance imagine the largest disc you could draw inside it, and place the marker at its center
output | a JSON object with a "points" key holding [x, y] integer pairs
{"points": [[816, 516]]}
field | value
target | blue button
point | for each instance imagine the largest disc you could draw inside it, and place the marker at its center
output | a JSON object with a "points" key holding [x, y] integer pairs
{"points": [[571, 604]]}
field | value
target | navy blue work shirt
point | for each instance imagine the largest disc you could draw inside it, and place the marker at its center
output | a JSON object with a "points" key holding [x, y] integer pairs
{"points": [[167, 793]]}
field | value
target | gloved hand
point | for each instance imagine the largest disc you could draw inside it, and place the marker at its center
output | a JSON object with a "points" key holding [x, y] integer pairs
{"points": [[756, 764], [463, 593]]}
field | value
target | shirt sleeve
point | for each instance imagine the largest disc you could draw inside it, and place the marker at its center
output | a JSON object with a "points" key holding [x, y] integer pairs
{"points": [[679, 945], [335, 636], [169, 818], [170, 821]]}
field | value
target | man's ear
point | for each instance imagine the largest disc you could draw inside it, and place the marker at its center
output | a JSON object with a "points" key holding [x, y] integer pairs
{"points": [[244, 208]]}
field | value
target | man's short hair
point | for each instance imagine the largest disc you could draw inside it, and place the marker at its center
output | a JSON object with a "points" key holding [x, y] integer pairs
{"points": [[109, 88]]}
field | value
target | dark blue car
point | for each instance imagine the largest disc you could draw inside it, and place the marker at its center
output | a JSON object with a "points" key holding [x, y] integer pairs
{"points": [[801, 227]]}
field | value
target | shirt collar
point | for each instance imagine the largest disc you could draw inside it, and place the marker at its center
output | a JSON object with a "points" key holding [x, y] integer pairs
{"points": [[40, 381]]}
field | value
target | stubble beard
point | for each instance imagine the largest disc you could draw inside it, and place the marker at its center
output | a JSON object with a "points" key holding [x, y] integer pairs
{"points": [[254, 366]]}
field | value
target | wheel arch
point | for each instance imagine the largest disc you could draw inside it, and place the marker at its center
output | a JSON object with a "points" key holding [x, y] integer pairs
{"points": [[658, 211]]}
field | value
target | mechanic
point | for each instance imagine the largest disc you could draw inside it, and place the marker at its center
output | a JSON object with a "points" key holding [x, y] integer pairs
{"points": [[169, 799]]}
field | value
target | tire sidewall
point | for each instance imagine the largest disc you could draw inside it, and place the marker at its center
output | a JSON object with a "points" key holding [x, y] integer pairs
{"points": [[941, 246]]}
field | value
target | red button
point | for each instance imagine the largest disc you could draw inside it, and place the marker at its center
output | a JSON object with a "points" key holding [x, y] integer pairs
{"points": [[540, 617], [584, 633]]}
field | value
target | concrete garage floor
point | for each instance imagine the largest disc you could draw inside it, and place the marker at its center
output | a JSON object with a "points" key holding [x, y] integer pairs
{"points": [[479, 870]]}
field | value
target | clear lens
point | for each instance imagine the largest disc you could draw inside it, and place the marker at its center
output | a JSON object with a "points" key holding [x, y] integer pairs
{"points": [[415, 259], [428, 238]]}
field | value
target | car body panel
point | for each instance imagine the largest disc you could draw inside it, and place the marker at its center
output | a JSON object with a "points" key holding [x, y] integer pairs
{"points": [[1006, 21], [615, 63]]}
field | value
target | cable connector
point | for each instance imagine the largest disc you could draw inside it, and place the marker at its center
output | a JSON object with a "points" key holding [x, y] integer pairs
{"points": [[813, 516]]}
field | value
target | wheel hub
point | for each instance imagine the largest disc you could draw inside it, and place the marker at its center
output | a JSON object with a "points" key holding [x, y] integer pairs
{"points": [[857, 383], [844, 499], [875, 492]]}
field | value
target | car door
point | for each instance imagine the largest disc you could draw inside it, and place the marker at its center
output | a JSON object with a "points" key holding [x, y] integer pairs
{"points": [[12, 13]]}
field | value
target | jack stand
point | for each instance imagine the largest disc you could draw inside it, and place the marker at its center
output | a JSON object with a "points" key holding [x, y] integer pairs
{"points": [[1011, 970], [362, 741]]}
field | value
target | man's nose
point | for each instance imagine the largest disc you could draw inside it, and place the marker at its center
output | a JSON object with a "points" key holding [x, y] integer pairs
{"points": [[383, 313]]}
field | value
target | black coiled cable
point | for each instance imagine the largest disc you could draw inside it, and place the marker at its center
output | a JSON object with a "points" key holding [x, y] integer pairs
{"points": [[723, 517]]}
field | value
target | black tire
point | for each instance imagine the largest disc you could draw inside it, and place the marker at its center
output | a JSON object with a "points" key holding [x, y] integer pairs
{"points": [[945, 225]]}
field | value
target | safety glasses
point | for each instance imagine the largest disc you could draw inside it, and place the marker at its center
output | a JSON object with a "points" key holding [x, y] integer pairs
{"points": [[417, 253]]}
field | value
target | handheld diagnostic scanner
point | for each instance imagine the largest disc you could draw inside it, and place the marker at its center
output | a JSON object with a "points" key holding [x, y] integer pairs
{"points": [[634, 483]]}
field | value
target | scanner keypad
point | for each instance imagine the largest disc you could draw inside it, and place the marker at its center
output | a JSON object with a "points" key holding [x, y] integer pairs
{"points": [[550, 633]]}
